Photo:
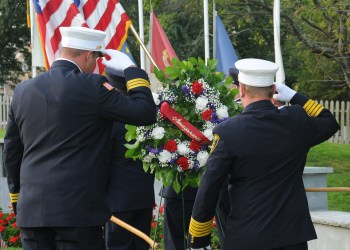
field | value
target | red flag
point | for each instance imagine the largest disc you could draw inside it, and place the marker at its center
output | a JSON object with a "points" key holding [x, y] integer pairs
{"points": [[108, 16], [161, 50]]}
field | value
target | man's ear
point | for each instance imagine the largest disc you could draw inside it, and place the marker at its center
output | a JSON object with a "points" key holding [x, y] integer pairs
{"points": [[242, 90], [88, 54]]}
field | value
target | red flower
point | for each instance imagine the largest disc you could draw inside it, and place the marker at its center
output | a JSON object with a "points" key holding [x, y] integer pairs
{"points": [[183, 162], [2, 228], [206, 115], [14, 225], [195, 146], [161, 209], [13, 239], [1, 214], [161, 236], [197, 87], [171, 146], [154, 224], [8, 218], [214, 222]]}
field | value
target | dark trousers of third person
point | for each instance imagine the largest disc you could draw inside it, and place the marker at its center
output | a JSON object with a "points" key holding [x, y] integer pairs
{"points": [[118, 238]]}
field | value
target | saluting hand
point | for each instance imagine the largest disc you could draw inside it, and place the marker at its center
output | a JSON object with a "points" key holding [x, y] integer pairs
{"points": [[119, 61], [285, 94]]}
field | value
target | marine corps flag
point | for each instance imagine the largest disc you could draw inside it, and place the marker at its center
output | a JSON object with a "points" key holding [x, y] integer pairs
{"points": [[161, 49]]}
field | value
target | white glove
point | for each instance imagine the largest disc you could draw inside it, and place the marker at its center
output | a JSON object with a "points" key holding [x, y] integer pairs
{"points": [[203, 248], [285, 94], [119, 61]]}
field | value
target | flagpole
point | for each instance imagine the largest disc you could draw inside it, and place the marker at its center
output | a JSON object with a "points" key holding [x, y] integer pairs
{"points": [[280, 75], [141, 32], [214, 29], [143, 45], [206, 30], [31, 10]]}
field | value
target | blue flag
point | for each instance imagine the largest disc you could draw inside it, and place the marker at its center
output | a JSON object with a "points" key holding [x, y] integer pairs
{"points": [[125, 49], [225, 52]]}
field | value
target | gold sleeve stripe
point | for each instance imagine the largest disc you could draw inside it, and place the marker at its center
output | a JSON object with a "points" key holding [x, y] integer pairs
{"points": [[309, 105], [313, 108], [14, 197], [138, 82], [198, 229]]}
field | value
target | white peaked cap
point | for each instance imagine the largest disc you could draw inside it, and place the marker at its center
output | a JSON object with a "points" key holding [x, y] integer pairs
{"points": [[82, 38], [256, 72]]}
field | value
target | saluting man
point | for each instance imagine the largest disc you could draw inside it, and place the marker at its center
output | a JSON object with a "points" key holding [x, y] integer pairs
{"points": [[57, 143], [263, 151]]}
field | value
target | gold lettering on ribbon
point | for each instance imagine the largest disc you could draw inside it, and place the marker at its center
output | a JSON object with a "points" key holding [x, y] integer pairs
{"points": [[178, 121]]}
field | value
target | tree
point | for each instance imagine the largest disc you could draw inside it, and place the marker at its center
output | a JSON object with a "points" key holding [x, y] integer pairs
{"points": [[15, 39], [314, 36]]}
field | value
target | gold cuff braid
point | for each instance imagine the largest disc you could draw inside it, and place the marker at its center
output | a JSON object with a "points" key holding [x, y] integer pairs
{"points": [[313, 108], [14, 197], [137, 82], [200, 229]]}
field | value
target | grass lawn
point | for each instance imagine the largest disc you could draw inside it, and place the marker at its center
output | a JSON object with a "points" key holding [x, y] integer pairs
{"points": [[2, 133], [336, 156]]}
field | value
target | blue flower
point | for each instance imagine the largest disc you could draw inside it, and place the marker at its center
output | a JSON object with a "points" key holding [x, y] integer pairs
{"points": [[185, 89]]}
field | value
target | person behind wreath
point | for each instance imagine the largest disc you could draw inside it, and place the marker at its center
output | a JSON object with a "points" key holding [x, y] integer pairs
{"points": [[57, 143], [263, 151], [130, 189]]}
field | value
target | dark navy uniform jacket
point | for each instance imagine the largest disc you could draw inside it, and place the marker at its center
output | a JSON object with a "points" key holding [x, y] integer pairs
{"points": [[129, 187], [57, 143], [263, 151]]}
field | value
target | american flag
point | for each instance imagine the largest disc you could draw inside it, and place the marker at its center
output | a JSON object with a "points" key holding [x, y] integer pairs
{"points": [[105, 15]]}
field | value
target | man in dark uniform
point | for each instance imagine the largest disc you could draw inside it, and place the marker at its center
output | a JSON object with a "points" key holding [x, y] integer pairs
{"points": [[263, 151], [177, 215], [57, 143], [130, 189]]}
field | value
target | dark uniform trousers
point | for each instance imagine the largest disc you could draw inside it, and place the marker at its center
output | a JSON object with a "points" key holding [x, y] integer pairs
{"points": [[75, 238], [177, 215], [118, 238], [131, 195], [56, 151]]}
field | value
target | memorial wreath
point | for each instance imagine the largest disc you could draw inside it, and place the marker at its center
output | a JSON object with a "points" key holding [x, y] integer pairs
{"points": [[193, 99]]}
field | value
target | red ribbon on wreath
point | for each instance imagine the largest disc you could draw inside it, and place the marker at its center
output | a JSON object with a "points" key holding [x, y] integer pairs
{"points": [[184, 125]]}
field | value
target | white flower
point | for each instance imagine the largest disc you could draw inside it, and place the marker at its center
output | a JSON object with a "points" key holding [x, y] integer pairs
{"points": [[202, 158], [158, 132], [209, 134], [140, 138], [164, 156], [182, 149], [156, 98], [201, 103], [148, 158], [222, 112]]}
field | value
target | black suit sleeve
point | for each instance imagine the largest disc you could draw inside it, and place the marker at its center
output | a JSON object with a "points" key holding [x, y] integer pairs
{"points": [[217, 169], [322, 123], [138, 108], [13, 152]]}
